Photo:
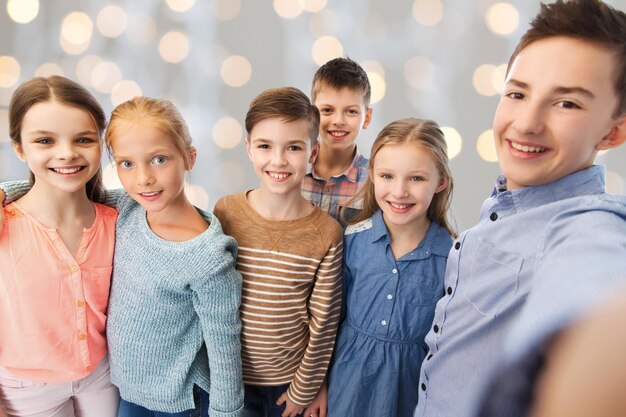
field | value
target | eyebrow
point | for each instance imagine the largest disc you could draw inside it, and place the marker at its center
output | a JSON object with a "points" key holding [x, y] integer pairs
{"points": [[46, 132], [291, 142], [557, 90]]}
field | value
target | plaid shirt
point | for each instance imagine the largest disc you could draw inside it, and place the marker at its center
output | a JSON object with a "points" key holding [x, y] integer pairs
{"points": [[333, 194]]}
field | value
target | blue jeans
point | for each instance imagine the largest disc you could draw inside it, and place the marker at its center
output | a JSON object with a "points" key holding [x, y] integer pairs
{"points": [[261, 401], [201, 398]]}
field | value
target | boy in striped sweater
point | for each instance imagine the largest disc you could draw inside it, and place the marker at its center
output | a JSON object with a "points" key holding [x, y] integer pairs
{"points": [[290, 255]]}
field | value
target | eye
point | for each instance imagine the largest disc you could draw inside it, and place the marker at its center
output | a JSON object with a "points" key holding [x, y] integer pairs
{"points": [[326, 110], [85, 141], [263, 146], [515, 95], [125, 164], [159, 160], [295, 148], [417, 178], [353, 112], [44, 141], [566, 104], [386, 176]]}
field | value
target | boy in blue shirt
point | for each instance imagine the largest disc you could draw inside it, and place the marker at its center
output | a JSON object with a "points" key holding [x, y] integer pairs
{"points": [[550, 243]]}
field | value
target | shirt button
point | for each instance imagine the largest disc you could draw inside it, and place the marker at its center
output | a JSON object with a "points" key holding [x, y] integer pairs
{"points": [[74, 269], [80, 303], [493, 216], [394, 270], [449, 290], [423, 387], [457, 245], [389, 297], [88, 368], [82, 336], [384, 322], [436, 328]]}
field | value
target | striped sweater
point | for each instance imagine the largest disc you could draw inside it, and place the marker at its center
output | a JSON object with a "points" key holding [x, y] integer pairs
{"points": [[291, 296]]}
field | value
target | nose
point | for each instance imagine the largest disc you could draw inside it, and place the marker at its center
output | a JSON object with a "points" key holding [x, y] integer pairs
{"points": [[144, 176], [399, 189], [338, 118], [67, 152], [529, 119], [278, 157]]}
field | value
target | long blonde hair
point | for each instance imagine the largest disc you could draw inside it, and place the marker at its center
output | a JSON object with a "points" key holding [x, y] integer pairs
{"points": [[428, 135]]}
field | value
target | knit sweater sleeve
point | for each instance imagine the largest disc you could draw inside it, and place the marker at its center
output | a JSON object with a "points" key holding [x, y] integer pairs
{"points": [[216, 301], [14, 190], [324, 308]]}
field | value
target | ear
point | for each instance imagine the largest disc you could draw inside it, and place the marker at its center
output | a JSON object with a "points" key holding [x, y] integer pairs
{"points": [[192, 157], [616, 136], [443, 184], [368, 118], [17, 148], [248, 148], [314, 152]]}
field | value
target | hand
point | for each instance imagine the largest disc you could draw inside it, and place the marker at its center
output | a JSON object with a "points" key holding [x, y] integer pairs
{"points": [[291, 409], [319, 404]]}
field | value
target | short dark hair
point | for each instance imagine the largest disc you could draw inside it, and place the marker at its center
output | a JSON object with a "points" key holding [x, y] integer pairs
{"points": [[341, 73], [286, 103], [587, 20]]}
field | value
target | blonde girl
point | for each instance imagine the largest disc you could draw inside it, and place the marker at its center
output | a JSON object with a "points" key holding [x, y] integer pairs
{"points": [[395, 253], [56, 252]]}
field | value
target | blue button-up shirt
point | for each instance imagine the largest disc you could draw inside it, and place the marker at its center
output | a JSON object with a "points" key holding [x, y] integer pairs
{"points": [[535, 236]]}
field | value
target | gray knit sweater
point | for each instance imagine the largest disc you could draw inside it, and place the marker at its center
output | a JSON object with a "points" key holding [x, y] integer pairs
{"points": [[173, 314]]}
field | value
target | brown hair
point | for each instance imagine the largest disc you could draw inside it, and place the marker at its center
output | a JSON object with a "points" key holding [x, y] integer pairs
{"points": [[158, 113], [286, 103], [65, 91], [428, 135], [341, 73], [587, 20]]}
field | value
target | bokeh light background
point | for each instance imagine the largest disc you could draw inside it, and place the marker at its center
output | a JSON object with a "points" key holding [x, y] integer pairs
{"points": [[438, 59]]}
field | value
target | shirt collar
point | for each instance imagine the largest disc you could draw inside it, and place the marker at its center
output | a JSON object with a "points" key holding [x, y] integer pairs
{"points": [[436, 241], [586, 182], [351, 173]]}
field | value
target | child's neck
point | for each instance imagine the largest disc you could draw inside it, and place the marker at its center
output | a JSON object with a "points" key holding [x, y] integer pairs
{"points": [[332, 162], [55, 208], [281, 208], [406, 238], [178, 222]]}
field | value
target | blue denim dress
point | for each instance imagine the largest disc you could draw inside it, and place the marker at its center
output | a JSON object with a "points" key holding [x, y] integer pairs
{"points": [[388, 309]]}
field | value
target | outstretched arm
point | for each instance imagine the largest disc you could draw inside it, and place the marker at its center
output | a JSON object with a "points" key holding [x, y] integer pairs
{"points": [[585, 371]]}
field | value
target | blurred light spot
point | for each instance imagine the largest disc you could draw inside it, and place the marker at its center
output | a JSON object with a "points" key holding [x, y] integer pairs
{"points": [[326, 48], [236, 71], [197, 196], [486, 147], [419, 72], [498, 77], [9, 71], [614, 183], [72, 48], [174, 47], [373, 66], [22, 11], [428, 12], [49, 69], [110, 180], [85, 67], [180, 6], [77, 28], [111, 21], [226, 9], [125, 90], [483, 80], [378, 86], [454, 141], [235, 175], [4, 126], [313, 6], [323, 23], [5, 96], [227, 133], [105, 75], [502, 18], [287, 9], [143, 30]]}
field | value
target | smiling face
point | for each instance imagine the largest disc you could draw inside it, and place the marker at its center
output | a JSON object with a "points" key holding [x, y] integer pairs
{"points": [[342, 116], [280, 153], [405, 180], [61, 146], [556, 111], [150, 167]]}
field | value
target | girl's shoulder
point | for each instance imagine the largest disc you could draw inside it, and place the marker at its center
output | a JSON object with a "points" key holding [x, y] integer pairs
{"points": [[359, 227]]}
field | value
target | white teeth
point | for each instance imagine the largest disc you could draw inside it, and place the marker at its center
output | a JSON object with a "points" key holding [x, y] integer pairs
{"points": [[400, 206], [150, 194], [524, 148], [66, 170], [278, 175], [338, 133]]}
